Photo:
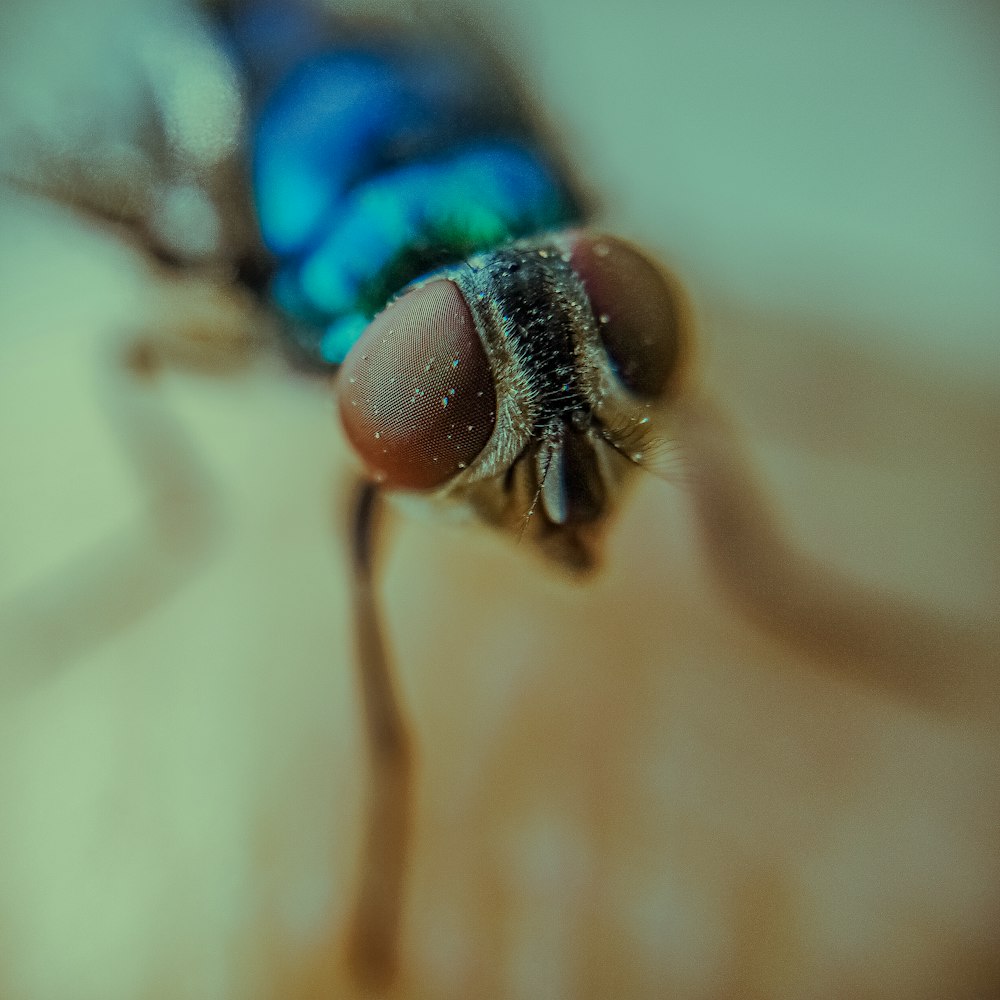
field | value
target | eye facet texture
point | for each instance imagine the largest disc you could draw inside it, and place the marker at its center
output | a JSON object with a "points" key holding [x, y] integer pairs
{"points": [[637, 312], [417, 398]]}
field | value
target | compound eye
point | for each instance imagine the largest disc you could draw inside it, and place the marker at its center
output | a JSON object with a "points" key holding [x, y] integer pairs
{"points": [[416, 392], [638, 313]]}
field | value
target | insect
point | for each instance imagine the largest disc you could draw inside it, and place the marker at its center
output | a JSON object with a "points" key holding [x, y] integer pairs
{"points": [[570, 347], [521, 365], [494, 356]]}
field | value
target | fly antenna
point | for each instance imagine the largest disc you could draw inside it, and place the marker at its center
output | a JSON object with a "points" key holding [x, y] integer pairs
{"points": [[534, 502]]}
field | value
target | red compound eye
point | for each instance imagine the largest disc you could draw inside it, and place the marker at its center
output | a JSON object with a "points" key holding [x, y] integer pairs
{"points": [[638, 314], [417, 397]]}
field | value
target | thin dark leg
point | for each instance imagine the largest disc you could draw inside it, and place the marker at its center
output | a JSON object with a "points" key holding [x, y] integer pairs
{"points": [[373, 937]]}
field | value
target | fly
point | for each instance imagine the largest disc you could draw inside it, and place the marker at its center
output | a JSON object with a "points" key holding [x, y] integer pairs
{"points": [[494, 354], [425, 238]]}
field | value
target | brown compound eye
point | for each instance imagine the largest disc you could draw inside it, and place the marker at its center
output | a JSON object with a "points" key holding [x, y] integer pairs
{"points": [[417, 398], [638, 314]]}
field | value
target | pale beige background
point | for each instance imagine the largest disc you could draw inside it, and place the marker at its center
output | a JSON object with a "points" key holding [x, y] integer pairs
{"points": [[628, 789]]}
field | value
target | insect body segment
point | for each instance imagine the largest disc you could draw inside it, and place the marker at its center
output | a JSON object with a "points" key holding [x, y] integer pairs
{"points": [[517, 372], [378, 159]]}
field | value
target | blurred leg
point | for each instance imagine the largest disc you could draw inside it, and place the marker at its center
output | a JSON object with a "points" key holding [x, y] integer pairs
{"points": [[374, 930], [904, 649], [203, 329]]}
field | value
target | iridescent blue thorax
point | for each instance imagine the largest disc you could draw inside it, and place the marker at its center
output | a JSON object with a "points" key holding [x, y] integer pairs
{"points": [[378, 159]]}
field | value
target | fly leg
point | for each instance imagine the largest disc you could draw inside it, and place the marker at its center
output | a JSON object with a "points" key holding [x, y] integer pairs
{"points": [[877, 638], [203, 328], [373, 934]]}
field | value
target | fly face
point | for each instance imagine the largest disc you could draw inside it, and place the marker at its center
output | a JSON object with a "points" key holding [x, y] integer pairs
{"points": [[526, 384], [519, 375]]}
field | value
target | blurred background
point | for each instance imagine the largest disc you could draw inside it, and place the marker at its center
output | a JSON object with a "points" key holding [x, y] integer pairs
{"points": [[630, 788]]}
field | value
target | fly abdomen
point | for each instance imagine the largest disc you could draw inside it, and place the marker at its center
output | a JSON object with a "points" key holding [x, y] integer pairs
{"points": [[378, 157]]}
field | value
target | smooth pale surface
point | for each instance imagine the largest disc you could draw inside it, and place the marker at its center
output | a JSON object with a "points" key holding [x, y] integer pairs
{"points": [[624, 789]]}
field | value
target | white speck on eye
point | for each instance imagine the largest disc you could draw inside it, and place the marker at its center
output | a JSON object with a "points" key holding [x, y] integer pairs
{"points": [[378, 435], [602, 249], [604, 319]]}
